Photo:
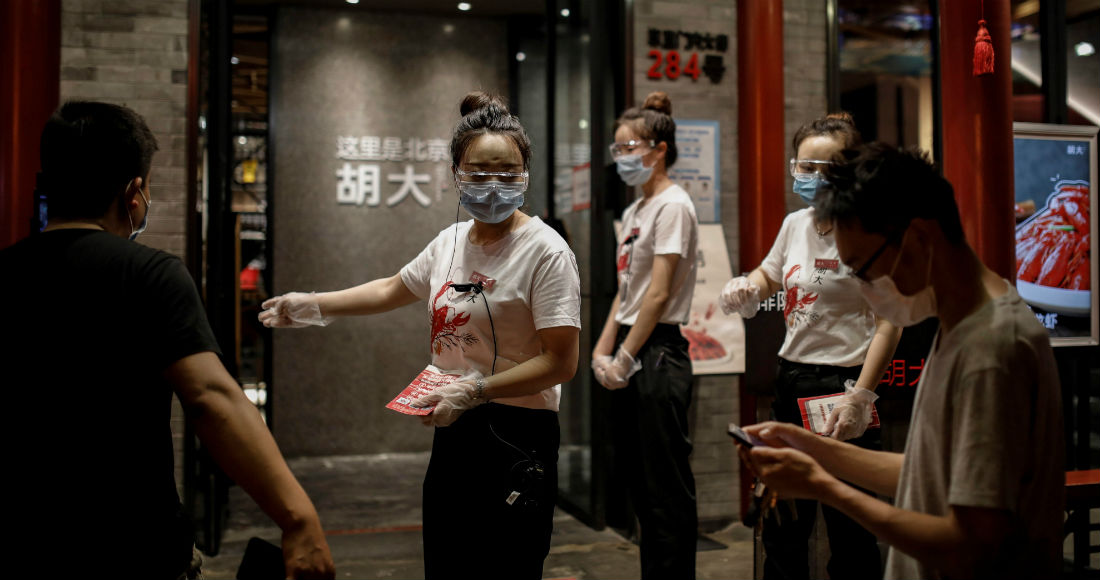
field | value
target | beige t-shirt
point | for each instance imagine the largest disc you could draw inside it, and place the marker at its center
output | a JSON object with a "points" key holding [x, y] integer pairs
{"points": [[987, 432], [665, 224], [532, 282]]}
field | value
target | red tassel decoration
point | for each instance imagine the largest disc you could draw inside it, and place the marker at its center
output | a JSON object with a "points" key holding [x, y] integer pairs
{"points": [[983, 51]]}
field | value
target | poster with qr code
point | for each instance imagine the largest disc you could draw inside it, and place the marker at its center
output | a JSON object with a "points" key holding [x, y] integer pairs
{"points": [[427, 381], [816, 410]]}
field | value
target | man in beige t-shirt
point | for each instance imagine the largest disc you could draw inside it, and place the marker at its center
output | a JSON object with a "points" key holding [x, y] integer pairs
{"points": [[979, 489]]}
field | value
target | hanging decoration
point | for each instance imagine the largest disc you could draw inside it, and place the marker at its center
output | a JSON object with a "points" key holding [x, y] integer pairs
{"points": [[983, 48]]}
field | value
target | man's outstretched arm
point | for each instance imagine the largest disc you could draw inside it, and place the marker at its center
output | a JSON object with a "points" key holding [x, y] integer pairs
{"points": [[231, 428]]}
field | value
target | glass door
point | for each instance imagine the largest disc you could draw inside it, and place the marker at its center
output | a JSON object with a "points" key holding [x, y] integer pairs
{"points": [[584, 82]]}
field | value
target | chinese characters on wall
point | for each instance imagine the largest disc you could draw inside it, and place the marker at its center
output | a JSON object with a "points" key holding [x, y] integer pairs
{"points": [[362, 183], [900, 373], [669, 63]]}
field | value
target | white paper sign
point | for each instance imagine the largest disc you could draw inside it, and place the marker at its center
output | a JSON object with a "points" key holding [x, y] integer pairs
{"points": [[697, 168]]}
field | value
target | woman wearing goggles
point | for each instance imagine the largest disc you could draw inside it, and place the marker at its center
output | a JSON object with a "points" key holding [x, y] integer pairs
{"points": [[641, 355], [503, 294], [833, 344]]}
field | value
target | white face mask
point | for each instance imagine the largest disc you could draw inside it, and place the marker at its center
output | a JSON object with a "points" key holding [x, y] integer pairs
{"points": [[886, 301], [632, 170], [135, 232]]}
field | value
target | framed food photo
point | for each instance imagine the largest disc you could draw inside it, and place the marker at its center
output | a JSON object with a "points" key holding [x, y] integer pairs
{"points": [[1056, 244]]}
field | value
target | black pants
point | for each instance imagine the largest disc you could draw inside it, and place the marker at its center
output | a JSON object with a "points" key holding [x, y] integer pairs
{"points": [[853, 550], [480, 462], [652, 445]]}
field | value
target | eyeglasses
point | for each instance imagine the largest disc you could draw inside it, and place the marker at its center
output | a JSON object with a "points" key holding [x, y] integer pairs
{"points": [[861, 273], [620, 149], [483, 176], [808, 166]]}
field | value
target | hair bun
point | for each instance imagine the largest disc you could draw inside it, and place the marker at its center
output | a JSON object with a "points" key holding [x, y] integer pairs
{"points": [[476, 100], [842, 116], [658, 101]]}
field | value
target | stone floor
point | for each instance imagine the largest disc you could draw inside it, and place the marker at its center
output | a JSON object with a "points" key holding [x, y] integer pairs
{"points": [[370, 506]]}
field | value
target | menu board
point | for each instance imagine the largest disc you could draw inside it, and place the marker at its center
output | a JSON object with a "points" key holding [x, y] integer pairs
{"points": [[1055, 206]]}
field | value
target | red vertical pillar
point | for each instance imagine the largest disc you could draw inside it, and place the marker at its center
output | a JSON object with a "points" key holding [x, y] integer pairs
{"points": [[760, 128], [30, 72], [977, 129]]}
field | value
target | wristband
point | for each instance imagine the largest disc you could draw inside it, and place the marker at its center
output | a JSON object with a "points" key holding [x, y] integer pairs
{"points": [[479, 386]]}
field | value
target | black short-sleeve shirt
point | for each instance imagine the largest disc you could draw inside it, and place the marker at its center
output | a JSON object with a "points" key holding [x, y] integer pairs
{"points": [[90, 323]]}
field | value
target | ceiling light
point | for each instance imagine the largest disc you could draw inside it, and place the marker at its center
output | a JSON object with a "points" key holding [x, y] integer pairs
{"points": [[353, 1], [521, 56], [235, 60], [583, 124], [464, 6], [242, 140], [565, 13], [1084, 49]]}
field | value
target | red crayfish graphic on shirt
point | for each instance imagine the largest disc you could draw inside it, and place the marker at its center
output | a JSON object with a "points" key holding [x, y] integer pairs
{"points": [[796, 310], [626, 250], [447, 324]]}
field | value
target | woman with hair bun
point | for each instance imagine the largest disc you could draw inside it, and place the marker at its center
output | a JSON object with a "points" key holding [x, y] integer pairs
{"points": [[640, 354], [503, 294], [833, 344]]}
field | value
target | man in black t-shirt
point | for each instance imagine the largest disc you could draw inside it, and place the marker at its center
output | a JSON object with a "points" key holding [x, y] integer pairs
{"points": [[99, 332]]}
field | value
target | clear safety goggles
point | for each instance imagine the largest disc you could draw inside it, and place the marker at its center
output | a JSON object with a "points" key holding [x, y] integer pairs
{"points": [[480, 184], [807, 167], [485, 176], [629, 147]]}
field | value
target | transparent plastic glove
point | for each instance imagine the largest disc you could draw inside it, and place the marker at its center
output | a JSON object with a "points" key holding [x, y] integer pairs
{"points": [[600, 366], [852, 414], [622, 367], [293, 310], [741, 296], [451, 400]]}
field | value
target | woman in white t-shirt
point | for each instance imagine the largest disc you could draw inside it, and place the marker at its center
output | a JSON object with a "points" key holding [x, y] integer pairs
{"points": [[641, 355], [503, 294], [832, 338]]}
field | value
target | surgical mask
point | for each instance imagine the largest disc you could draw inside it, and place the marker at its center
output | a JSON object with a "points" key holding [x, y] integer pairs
{"points": [[886, 301], [632, 170], [490, 202], [134, 233], [806, 184]]}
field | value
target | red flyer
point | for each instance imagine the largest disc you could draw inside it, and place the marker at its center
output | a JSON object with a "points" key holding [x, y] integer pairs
{"points": [[427, 381], [816, 410]]}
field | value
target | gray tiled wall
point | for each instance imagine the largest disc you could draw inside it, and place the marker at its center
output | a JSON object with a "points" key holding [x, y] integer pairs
{"points": [[134, 52]]}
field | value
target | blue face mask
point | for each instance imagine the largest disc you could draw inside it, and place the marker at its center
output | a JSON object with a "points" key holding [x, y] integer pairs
{"points": [[490, 202], [806, 184], [632, 170], [134, 233]]}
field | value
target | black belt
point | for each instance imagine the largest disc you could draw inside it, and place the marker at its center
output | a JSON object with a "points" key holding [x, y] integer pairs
{"points": [[662, 330], [815, 369]]}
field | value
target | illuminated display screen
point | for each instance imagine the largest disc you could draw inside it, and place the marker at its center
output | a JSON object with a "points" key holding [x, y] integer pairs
{"points": [[1056, 261]]}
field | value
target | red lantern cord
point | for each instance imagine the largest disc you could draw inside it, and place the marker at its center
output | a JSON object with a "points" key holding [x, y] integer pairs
{"points": [[983, 48]]}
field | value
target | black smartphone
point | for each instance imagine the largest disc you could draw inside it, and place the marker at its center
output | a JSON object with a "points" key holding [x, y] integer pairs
{"points": [[262, 561], [740, 436]]}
